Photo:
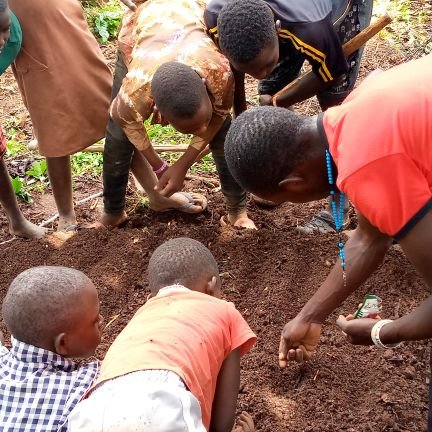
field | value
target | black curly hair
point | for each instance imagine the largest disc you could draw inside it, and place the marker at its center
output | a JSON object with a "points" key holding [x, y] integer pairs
{"points": [[245, 27], [177, 90], [180, 261], [263, 146]]}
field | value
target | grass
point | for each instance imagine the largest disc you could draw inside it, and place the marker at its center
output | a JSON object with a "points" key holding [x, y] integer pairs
{"points": [[409, 31], [104, 19], [167, 135]]}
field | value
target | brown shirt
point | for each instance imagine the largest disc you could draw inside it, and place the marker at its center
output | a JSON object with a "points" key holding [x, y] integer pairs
{"points": [[158, 32]]}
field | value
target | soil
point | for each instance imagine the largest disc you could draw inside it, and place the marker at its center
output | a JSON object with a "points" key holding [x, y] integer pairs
{"points": [[269, 275]]}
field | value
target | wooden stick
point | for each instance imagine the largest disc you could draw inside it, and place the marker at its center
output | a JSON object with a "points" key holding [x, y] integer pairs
{"points": [[349, 48], [77, 203], [159, 148]]}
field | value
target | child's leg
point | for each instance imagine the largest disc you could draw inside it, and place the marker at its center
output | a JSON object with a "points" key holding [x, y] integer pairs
{"points": [[235, 196], [60, 174], [18, 224]]}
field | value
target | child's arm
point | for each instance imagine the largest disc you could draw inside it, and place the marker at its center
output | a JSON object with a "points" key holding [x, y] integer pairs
{"points": [[227, 389]]}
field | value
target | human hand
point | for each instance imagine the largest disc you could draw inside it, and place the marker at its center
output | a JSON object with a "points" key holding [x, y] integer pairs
{"points": [[171, 180], [266, 100], [298, 341], [158, 118], [357, 331]]}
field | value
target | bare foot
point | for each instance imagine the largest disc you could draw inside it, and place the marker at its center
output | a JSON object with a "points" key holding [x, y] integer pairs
{"points": [[67, 223], [186, 202], [27, 230], [245, 423], [111, 220], [241, 220]]}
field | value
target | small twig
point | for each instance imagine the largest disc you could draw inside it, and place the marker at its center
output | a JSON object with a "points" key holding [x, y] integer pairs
{"points": [[10, 240], [54, 217], [316, 375]]}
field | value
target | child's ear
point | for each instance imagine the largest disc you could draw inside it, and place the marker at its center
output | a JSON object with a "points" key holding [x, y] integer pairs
{"points": [[211, 287], [60, 344]]}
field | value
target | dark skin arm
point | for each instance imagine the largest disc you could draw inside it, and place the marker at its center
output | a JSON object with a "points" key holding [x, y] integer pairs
{"points": [[306, 87], [365, 251], [227, 389], [239, 92], [416, 325]]}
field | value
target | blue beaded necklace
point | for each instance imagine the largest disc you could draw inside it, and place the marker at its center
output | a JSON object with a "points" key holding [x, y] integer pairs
{"points": [[338, 214]]}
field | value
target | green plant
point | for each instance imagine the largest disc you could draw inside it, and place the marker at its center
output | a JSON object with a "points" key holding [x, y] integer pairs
{"points": [[87, 163], [15, 148], [20, 188], [103, 21], [38, 172]]}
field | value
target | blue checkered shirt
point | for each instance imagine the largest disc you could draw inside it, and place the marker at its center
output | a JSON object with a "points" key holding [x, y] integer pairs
{"points": [[38, 388]]}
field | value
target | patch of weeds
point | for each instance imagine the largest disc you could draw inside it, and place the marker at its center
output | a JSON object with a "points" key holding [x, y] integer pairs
{"points": [[410, 30], [38, 173], [15, 148], [87, 163], [20, 189], [205, 165], [105, 20], [167, 135]]}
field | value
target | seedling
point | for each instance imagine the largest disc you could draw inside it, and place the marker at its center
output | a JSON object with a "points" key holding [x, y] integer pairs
{"points": [[20, 188]]}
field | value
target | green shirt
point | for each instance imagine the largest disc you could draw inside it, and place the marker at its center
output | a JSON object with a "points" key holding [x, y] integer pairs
{"points": [[13, 45]]}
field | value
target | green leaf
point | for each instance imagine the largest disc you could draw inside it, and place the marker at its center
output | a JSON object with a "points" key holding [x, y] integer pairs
{"points": [[38, 170], [19, 187]]}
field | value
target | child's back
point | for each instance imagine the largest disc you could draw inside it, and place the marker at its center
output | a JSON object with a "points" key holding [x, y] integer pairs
{"points": [[179, 334]]}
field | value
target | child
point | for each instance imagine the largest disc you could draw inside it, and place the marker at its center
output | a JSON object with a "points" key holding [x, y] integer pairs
{"points": [[65, 84], [176, 365], [52, 314], [173, 63], [271, 39], [10, 43]]}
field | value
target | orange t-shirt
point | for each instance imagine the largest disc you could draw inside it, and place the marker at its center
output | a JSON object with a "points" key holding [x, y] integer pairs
{"points": [[381, 141], [188, 333]]}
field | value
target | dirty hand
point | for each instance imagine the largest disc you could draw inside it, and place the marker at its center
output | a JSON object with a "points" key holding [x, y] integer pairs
{"points": [[357, 331], [266, 100], [298, 341], [171, 180]]}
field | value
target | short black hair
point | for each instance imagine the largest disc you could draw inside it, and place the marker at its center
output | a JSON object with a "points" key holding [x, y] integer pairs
{"points": [[177, 90], [245, 27], [180, 261], [263, 146], [41, 302]]}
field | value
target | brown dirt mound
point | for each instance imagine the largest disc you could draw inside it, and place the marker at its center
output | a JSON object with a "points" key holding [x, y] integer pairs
{"points": [[269, 275]]}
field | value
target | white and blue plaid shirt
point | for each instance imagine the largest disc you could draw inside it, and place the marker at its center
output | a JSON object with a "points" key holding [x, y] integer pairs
{"points": [[38, 388]]}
